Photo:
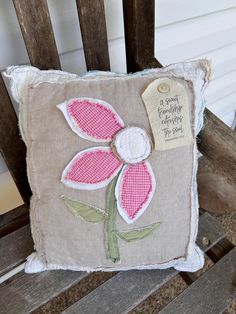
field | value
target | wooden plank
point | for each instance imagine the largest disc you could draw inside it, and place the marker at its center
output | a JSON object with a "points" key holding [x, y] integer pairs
{"points": [[30, 291], [13, 214], [14, 248], [37, 32], [216, 193], [122, 292], [94, 34], [13, 220], [212, 293], [11, 146], [127, 289], [205, 228], [139, 34], [218, 144], [220, 249], [210, 232]]}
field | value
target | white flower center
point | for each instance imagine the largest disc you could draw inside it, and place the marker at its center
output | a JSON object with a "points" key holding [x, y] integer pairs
{"points": [[132, 144]]}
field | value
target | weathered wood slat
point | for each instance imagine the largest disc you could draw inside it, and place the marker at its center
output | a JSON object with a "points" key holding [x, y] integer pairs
{"points": [[220, 196], [127, 289], [11, 215], [122, 293], [11, 146], [209, 229], [14, 248], [220, 249], [94, 34], [212, 293], [13, 220], [139, 34], [218, 144], [30, 291], [37, 32], [205, 227]]}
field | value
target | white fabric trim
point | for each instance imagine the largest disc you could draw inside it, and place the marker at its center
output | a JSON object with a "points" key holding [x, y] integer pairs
{"points": [[35, 265], [72, 123], [118, 191], [85, 186]]}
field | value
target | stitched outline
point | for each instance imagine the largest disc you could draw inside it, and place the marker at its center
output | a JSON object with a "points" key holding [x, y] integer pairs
{"points": [[74, 126], [88, 186], [118, 193]]}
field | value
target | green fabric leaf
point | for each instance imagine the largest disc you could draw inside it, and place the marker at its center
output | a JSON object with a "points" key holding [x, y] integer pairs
{"points": [[85, 211], [137, 234]]}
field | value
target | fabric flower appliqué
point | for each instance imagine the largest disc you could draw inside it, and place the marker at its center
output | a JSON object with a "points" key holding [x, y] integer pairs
{"points": [[122, 165]]}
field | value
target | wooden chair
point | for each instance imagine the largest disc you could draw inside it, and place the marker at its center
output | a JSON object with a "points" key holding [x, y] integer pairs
{"points": [[79, 292]]}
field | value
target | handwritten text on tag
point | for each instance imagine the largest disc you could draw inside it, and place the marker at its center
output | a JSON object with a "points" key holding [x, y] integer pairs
{"points": [[168, 104]]}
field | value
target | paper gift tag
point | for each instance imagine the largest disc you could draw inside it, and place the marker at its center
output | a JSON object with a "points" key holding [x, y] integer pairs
{"points": [[167, 103]]}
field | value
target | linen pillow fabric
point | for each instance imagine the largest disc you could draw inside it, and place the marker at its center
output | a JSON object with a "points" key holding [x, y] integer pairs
{"points": [[112, 162]]}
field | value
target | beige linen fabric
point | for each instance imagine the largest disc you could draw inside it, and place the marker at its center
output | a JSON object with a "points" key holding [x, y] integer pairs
{"points": [[64, 239]]}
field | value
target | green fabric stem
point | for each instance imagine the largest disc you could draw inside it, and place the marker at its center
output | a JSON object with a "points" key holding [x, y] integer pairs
{"points": [[112, 248]]}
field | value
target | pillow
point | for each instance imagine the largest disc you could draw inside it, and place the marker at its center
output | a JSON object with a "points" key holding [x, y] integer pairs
{"points": [[112, 162]]}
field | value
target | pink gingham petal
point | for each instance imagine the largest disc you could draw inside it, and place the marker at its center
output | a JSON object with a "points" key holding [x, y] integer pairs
{"points": [[91, 169], [91, 118], [134, 190]]}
